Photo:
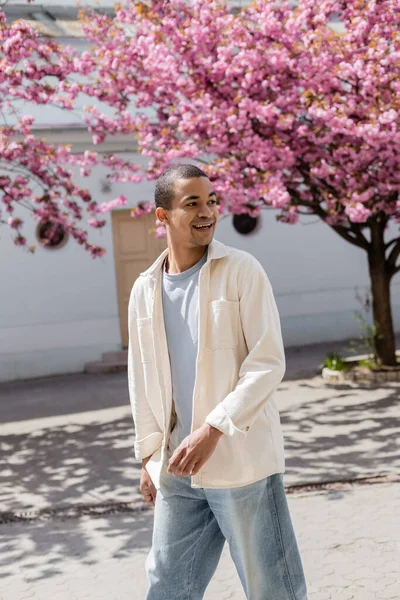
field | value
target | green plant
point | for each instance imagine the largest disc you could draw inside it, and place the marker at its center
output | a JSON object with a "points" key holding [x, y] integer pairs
{"points": [[335, 362], [369, 335], [369, 363]]}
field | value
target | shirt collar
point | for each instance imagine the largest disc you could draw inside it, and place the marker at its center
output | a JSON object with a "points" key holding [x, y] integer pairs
{"points": [[215, 250]]}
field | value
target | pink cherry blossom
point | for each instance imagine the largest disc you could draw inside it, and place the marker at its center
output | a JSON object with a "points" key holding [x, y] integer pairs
{"points": [[279, 109], [142, 209], [161, 231], [358, 213], [28, 64], [107, 206]]}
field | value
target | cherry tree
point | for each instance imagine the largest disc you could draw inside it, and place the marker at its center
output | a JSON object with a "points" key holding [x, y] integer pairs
{"points": [[279, 108]]}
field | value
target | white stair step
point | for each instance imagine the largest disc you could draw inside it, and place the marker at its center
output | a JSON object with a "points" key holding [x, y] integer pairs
{"points": [[105, 367], [115, 357]]}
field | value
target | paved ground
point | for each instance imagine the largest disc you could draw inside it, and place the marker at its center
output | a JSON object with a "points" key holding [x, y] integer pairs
{"points": [[349, 540], [84, 453], [67, 441]]}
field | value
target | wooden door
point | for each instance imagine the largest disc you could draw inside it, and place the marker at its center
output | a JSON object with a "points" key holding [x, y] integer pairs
{"points": [[135, 249]]}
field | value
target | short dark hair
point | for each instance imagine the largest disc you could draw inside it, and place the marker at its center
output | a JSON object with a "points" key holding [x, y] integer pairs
{"points": [[164, 192]]}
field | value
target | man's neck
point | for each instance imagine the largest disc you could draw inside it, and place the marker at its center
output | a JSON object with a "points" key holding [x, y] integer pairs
{"points": [[182, 259]]}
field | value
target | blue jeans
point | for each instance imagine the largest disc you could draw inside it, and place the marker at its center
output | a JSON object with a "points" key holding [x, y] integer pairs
{"points": [[190, 529]]}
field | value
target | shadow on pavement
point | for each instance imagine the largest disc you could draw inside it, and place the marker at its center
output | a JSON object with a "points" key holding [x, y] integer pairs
{"points": [[41, 550], [69, 464], [330, 437], [342, 436], [330, 434]]}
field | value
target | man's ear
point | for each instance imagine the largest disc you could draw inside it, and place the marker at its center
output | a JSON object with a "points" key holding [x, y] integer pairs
{"points": [[161, 215]]}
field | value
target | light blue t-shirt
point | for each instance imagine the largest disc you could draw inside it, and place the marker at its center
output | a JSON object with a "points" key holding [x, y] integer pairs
{"points": [[180, 299]]}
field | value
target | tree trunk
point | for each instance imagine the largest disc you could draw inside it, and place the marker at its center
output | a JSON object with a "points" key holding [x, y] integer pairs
{"points": [[381, 304]]}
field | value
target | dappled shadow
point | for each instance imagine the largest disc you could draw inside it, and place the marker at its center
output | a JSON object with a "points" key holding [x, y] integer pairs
{"points": [[69, 464], [331, 433], [44, 549], [343, 436], [63, 466]]}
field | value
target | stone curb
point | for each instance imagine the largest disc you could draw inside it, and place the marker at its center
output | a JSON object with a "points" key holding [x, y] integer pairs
{"points": [[342, 484], [359, 375], [72, 511]]}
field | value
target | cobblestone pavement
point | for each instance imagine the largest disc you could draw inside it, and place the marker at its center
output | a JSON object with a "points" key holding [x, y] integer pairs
{"points": [[68, 441], [349, 541]]}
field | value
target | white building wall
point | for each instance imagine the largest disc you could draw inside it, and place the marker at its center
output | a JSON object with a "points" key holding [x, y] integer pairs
{"points": [[315, 275], [59, 307]]}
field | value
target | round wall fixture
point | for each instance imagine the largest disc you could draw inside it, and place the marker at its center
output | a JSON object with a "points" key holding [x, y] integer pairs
{"points": [[51, 235], [244, 223]]}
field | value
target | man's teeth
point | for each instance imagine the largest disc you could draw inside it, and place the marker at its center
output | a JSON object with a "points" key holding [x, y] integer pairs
{"points": [[203, 226]]}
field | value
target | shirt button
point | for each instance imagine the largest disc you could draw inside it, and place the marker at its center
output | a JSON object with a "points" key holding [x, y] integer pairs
{"points": [[247, 428]]}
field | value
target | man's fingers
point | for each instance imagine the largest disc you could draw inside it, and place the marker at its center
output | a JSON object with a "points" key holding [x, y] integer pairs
{"points": [[182, 468], [186, 465], [147, 488], [198, 466], [188, 470], [149, 496], [175, 460]]}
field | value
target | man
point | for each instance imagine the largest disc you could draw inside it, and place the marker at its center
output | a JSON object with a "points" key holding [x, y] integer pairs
{"points": [[205, 356]]}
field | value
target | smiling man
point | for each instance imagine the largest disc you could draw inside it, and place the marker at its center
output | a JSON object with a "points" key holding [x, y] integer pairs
{"points": [[205, 357]]}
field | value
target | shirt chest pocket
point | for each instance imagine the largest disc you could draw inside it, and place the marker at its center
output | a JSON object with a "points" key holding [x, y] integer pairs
{"points": [[145, 335], [222, 324]]}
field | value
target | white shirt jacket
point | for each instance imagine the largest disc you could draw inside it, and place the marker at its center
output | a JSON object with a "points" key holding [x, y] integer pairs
{"points": [[240, 362]]}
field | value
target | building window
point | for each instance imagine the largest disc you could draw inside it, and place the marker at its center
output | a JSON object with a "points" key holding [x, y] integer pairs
{"points": [[244, 223], [51, 235]]}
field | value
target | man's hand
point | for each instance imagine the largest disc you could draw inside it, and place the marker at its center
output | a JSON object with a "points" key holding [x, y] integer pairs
{"points": [[147, 487], [194, 451]]}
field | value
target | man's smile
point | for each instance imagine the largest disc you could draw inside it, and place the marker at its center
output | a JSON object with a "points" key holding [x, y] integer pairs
{"points": [[203, 226]]}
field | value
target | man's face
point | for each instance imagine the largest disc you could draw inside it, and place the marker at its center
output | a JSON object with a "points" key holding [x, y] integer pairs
{"points": [[194, 212]]}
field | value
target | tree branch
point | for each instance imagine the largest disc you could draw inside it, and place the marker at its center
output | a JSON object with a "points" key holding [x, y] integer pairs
{"points": [[396, 270], [394, 254], [356, 229], [393, 241], [351, 234]]}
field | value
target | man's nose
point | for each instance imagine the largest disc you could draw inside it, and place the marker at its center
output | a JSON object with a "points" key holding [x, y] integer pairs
{"points": [[205, 211]]}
